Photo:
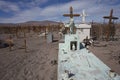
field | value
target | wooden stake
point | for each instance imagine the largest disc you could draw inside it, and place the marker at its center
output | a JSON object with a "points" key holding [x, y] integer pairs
{"points": [[25, 45], [25, 42], [10, 43], [17, 32], [45, 32]]}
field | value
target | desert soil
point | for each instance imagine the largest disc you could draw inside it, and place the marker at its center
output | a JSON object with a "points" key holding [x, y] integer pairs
{"points": [[36, 63], [109, 53]]}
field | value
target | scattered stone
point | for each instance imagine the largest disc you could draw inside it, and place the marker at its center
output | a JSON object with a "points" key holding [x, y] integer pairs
{"points": [[54, 62]]}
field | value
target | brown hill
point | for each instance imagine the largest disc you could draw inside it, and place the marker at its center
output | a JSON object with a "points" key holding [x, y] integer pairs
{"points": [[31, 23]]}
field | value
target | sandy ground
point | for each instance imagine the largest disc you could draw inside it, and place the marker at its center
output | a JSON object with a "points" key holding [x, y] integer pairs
{"points": [[36, 63], [109, 53], [33, 65]]}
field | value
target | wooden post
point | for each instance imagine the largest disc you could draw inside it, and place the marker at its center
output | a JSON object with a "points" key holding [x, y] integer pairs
{"points": [[25, 42], [17, 32], [10, 43], [45, 32], [40, 28]]}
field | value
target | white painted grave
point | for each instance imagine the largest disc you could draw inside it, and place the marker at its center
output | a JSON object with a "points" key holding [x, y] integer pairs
{"points": [[76, 63]]}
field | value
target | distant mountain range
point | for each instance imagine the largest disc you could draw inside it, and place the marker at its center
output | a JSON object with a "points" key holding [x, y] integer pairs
{"points": [[31, 23], [39, 23]]}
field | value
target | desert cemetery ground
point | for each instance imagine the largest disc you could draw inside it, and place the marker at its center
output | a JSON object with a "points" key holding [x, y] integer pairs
{"points": [[33, 58]]}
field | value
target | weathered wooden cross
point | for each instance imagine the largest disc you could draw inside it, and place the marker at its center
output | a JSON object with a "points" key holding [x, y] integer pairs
{"points": [[71, 15], [109, 30]]}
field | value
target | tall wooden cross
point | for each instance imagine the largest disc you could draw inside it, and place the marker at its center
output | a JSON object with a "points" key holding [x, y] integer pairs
{"points": [[110, 17], [109, 29], [71, 15]]}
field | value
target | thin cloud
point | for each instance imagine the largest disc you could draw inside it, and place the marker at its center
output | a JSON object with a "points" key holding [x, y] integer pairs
{"points": [[8, 6], [23, 16], [109, 2], [32, 3]]}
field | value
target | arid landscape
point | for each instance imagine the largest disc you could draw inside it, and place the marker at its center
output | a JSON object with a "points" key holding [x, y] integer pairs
{"points": [[39, 60], [31, 30], [38, 63]]}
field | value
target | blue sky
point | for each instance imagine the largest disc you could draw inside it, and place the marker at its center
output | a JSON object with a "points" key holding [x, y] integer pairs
{"points": [[17, 11]]}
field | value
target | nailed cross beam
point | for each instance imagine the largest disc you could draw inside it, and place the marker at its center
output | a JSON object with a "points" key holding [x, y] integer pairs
{"points": [[71, 15], [109, 27], [110, 17]]}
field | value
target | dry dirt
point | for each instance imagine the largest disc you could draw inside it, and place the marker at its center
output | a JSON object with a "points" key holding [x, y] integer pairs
{"points": [[109, 53], [35, 64]]}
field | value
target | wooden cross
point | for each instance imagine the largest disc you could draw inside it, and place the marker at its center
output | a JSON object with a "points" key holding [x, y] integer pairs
{"points": [[110, 17], [108, 31], [71, 15]]}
